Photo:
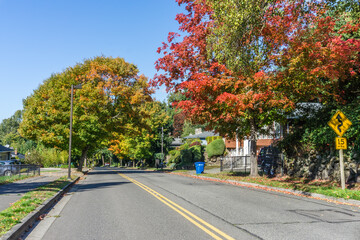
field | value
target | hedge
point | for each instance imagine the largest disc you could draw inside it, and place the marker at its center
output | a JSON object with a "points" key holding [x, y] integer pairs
{"points": [[215, 148], [196, 152]]}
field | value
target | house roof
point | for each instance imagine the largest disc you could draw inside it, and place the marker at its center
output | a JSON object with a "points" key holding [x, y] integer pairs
{"points": [[176, 142], [5, 149], [202, 135], [304, 109]]}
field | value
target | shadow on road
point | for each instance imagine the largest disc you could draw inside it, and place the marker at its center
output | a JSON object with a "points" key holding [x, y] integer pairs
{"points": [[112, 180], [92, 186]]}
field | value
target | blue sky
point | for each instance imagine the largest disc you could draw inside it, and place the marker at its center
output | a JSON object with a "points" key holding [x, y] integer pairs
{"points": [[41, 37]]}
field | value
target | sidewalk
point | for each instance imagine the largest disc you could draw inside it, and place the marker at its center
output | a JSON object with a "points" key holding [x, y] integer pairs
{"points": [[12, 192]]}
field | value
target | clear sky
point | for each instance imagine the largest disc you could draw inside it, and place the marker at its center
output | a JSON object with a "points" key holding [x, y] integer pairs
{"points": [[41, 37]]}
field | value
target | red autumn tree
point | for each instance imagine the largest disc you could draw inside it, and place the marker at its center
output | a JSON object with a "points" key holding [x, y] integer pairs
{"points": [[179, 120], [241, 94]]}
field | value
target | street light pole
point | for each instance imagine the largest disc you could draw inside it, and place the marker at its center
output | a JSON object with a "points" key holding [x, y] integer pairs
{"points": [[71, 120]]}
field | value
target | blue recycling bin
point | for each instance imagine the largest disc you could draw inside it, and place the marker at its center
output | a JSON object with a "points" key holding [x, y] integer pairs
{"points": [[199, 166]]}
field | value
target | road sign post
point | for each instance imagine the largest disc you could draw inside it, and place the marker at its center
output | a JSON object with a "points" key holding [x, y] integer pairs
{"points": [[340, 123], [342, 173]]}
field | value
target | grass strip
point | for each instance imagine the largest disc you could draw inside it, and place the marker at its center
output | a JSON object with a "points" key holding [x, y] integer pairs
{"points": [[28, 203], [14, 178], [327, 188]]}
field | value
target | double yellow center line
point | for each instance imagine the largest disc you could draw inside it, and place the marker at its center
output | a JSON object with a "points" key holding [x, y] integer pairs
{"points": [[206, 227]]}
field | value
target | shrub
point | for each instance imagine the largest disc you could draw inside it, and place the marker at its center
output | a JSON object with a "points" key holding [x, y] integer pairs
{"points": [[196, 153], [212, 138], [158, 156], [186, 156], [195, 144], [215, 148], [174, 156], [184, 146]]}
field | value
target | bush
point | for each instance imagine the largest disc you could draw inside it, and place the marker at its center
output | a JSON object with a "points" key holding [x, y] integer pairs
{"points": [[196, 153], [215, 148], [175, 156], [195, 144], [212, 138], [159, 156], [46, 157], [186, 156]]}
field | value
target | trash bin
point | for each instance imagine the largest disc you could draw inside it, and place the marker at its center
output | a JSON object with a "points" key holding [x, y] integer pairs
{"points": [[199, 166]]}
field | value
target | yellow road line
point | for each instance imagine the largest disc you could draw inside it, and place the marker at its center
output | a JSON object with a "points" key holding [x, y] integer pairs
{"points": [[185, 213]]}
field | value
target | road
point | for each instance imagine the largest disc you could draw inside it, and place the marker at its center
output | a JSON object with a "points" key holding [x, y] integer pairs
{"points": [[125, 204]]}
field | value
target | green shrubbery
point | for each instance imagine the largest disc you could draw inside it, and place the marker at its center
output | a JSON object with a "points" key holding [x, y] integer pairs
{"points": [[47, 157], [186, 154], [196, 151], [215, 148], [212, 138]]}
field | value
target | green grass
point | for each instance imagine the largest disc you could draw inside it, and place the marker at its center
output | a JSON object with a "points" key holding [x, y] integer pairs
{"points": [[28, 203], [14, 178], [210, 167], [327, 188]]}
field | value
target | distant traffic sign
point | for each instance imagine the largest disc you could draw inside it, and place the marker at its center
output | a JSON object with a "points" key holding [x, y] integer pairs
{"points": [[339, 123], [340, 143]]}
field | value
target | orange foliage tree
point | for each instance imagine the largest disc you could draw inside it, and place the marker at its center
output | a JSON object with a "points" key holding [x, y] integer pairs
{"points": [[111, 92], [289, 52]]}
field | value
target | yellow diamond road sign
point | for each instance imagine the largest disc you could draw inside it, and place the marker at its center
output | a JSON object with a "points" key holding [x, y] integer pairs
{"points": [[339, 123]]}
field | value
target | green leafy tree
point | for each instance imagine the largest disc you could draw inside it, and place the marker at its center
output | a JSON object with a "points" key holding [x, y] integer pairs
{"points": [[111, 91], [9, 129], [141, 141]]}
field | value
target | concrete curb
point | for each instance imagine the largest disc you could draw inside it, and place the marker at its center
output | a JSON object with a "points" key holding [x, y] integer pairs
{"points": [[15, 232], [350, 202]]}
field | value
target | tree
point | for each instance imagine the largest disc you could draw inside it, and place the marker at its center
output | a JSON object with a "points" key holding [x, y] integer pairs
{"points": [[142, 141], [242, 66], [9, 127], [231, 103], [111, 91], [178, 125]]}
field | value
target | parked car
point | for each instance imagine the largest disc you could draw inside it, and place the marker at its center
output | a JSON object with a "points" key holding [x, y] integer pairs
{"points": [[9, 167]]}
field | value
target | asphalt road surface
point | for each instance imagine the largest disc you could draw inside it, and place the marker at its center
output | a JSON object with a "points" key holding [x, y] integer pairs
{"points": [[124, 204]]}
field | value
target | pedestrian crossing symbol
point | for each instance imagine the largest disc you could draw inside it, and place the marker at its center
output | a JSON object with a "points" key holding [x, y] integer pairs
{"points": [[339, 123]]}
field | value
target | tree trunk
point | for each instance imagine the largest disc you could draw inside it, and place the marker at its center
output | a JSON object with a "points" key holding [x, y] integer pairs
{"points": [[253, 159], [82, 158], [102, 158]]}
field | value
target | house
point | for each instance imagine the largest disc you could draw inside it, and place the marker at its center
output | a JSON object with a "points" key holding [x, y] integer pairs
{"points": [[305, 109], [199, 134], [243, 145], [177, 142], [16, 155], [5, 153]]}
